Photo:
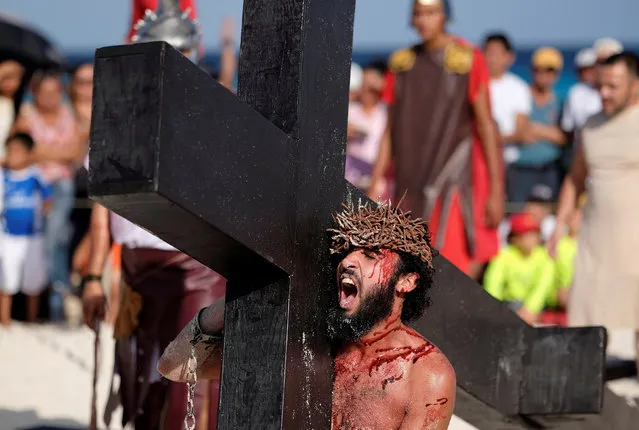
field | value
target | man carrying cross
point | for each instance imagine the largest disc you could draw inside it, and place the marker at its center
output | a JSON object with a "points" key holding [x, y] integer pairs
{"points": [[386, 374]]}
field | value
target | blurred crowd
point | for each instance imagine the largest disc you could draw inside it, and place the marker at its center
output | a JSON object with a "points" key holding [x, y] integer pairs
{"points": [[45, 251], [45, 138], [532, 271]]}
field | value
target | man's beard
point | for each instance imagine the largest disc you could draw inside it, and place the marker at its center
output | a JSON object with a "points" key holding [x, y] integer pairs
{"points": [[343, 329]]}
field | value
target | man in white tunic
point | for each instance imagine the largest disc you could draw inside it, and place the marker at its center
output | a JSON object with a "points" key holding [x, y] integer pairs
{"points": [[606, 283]]}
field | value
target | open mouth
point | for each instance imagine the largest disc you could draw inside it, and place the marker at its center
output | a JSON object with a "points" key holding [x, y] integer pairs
{"points": [[348, 292]]}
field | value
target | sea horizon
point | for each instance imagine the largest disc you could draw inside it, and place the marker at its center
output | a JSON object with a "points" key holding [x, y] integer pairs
{"points": [[364, 56]]}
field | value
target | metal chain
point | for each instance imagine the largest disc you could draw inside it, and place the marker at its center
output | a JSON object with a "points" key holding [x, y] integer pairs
{"points": [[191, 381], [211, 341]]}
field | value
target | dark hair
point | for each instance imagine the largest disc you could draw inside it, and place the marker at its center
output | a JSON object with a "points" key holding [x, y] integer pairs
{"points": [[73, 70], [39, 77], [499, 38], [24, 138], [379, 64], [416, 301], [629, 59]]}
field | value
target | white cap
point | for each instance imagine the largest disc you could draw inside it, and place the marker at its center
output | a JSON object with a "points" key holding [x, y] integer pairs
{"points": [[586, 57], [357, 77], [606, 46]]}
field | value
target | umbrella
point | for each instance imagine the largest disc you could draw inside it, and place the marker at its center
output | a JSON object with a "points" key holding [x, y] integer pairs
{"points": [[20, 42]]}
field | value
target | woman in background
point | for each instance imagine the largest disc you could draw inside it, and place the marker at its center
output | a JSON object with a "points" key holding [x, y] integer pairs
{"points": [[60, 143]]}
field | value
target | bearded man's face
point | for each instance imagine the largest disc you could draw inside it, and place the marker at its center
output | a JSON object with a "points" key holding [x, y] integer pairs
{"points": [[365, 295]]}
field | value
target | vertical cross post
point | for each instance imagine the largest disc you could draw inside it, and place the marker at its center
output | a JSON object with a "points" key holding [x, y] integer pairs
{"points": [[294, 66]]}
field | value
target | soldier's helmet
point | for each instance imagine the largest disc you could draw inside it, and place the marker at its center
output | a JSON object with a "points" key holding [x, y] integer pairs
{"points": [[172, 25]]}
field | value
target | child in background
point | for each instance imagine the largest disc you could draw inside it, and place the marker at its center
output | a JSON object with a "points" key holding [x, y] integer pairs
{"points": [[22, 253], [540, 205], [522, 274]]}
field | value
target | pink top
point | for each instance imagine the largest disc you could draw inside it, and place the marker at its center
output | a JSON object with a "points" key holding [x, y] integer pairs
{"points": [[59, 134]]}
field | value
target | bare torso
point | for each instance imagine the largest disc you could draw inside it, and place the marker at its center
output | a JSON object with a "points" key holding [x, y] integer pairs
{"points": [[390, 380]]}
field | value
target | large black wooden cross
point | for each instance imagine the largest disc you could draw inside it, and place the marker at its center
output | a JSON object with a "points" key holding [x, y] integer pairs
{"points": [[247, 185]]}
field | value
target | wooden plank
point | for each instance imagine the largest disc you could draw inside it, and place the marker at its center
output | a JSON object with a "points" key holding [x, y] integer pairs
{"points": [[294, 69], [171, 137]]}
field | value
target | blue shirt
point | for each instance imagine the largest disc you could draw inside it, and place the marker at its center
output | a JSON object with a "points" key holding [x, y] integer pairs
{"points": [[24, 193], [542, 152]]}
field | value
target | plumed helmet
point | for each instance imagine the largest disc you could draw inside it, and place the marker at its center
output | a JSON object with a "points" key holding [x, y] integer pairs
{"points": [[171, 25]]}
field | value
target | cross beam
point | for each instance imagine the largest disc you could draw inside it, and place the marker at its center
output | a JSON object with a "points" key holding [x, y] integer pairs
{"points": [[247, 185]]}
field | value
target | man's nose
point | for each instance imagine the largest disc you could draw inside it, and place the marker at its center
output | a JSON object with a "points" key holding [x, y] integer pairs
{"points": [[350, 261]]}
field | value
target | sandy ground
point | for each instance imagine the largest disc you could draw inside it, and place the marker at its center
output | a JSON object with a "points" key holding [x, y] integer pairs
{"points": [[46, 371], [46, 375]]}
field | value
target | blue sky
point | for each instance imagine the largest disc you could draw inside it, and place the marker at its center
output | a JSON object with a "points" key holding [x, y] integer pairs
{"points": [[95, 23]]}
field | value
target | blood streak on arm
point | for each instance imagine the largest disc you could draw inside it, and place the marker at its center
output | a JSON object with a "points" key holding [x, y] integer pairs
{"points": [[432, 394]]}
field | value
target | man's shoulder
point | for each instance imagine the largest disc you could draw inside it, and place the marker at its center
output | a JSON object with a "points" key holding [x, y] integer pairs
{"points": [[403, 60], [426, 356], [466, 44], [595, 121], [514, 81], [581, 88], [434, 372]]}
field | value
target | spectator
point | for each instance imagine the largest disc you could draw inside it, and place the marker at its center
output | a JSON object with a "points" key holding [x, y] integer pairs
{"points": [[522, 274], [81, 98], [367, 119], [582, 101], [81, 95], [565, 261], [11, 74], [510, 96], [537, 159], [355, 84], [54, 129], [539, 205], [26, 198], [606, 284]]}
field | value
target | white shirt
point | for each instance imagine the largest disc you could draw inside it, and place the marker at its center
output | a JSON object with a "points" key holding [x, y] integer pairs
{"points": [[509, 97], [373, 124], [131, 235], [582, 102]]}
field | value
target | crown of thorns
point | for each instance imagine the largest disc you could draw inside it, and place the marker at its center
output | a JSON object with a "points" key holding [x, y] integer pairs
{"points": [[381, 227]]}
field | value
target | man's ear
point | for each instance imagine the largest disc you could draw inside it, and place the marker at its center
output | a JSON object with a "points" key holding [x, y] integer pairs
{"points": [[407, 283]]}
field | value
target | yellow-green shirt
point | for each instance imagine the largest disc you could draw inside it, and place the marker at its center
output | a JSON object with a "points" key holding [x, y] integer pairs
{"points": [[564, 267], [513, 277]]}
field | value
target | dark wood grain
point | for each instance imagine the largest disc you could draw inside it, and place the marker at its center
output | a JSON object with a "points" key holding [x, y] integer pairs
{"points": [[298, 80], [255, 323]]}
